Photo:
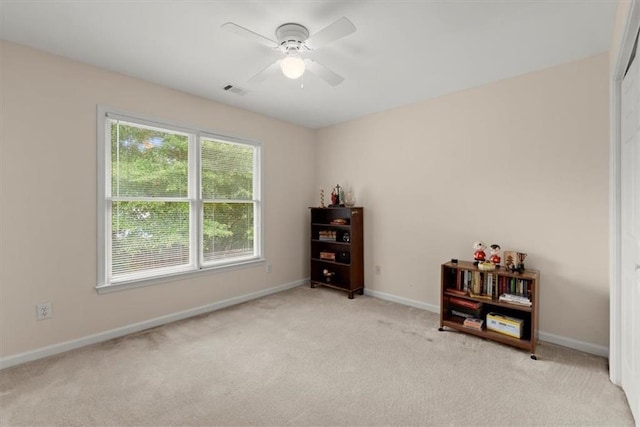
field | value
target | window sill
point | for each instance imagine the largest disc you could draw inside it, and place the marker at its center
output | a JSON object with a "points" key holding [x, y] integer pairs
{"points": [[115, 287]]}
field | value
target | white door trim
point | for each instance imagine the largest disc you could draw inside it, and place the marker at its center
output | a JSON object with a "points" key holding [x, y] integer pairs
{"points": [[615, 239]]}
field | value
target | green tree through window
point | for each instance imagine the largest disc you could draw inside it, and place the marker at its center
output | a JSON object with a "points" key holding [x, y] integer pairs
{"points": [[162, 218], [227, 175]]}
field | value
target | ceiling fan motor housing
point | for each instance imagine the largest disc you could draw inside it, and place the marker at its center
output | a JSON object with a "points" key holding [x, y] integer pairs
{"points": [[291, 37]]}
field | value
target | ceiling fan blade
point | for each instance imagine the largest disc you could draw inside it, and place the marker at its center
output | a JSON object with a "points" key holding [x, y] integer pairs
{"points": [[341, 28], [243, 32], [268, 71], [323, 72]]}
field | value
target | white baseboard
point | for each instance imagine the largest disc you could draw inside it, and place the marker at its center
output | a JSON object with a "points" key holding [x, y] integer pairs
{"points": [[586, 347], [17, 359], [403, 301]]}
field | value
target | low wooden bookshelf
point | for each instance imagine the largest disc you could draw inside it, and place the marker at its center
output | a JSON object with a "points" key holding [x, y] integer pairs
{"points": [[469, 292]]}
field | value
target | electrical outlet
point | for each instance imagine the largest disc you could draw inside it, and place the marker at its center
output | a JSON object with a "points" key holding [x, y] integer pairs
{"points": [[377, 269], [44, 311]]}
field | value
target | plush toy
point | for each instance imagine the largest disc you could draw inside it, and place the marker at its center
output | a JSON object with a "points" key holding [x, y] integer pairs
{"points": [[479, 255], [495, 254]]}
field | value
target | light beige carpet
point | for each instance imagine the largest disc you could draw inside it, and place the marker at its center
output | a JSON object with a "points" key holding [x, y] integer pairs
{"points": [[311, 357]]}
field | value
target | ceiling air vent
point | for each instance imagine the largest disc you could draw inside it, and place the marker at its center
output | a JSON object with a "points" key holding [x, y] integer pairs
{"points": [[235, 89]]}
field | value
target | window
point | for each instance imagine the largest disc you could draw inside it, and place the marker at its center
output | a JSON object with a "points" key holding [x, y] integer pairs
{"points": [[173, 200]]}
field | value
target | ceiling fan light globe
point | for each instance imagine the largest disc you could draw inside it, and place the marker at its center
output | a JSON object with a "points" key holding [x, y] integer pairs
{"points": [[292, 67]]}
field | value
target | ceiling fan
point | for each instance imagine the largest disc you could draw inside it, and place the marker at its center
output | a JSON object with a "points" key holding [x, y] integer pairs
{"points": [[293, 40]]}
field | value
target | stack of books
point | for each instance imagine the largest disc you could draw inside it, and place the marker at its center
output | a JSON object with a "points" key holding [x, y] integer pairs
{"points": [[331, 256], [329, 235], [473, 323], [465, 308], [515, 299]]}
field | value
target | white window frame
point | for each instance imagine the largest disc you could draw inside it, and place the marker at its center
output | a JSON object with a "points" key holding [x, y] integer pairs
{"points": [[196, 265]]}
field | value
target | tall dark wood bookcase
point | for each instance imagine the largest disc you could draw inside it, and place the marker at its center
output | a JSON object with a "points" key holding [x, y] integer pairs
{"points": [[463, 283], [337, 250]]}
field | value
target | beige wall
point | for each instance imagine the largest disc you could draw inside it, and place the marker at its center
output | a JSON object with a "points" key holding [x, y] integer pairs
{"points": [[521, 162], [48, 199]]}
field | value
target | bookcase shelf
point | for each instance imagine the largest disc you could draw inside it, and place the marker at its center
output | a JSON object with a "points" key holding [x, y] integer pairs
{"points": [[326, 261], [342, 242], [493, 301], [333, 242], [468, 292]]}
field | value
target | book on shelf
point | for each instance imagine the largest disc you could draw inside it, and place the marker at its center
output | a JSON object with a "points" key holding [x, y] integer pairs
{"points": [[473, 323], [456, 292], [517, 286], [460, 313], [515, 299], [506, 325], [456, 310], [474, 305], [514, 286], [327, 235], [466, 280], [458, 277], [339, 221], [476, 282], [492, 285], [480, 296]]}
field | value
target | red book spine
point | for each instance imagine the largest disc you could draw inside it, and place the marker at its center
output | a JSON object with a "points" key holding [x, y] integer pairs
{"points": [[464, 303]]}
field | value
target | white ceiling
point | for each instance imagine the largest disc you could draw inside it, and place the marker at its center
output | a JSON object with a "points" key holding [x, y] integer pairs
{"points": [[402, 51]]}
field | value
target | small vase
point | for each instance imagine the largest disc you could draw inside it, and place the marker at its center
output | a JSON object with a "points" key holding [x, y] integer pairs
{"points": [[350, 199]]}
